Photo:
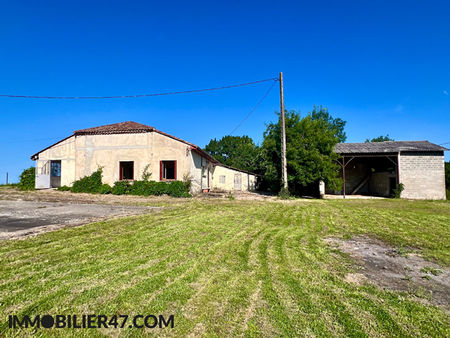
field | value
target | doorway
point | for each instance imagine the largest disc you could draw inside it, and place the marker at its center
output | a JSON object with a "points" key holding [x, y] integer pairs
{"points": [[55, 174], [237, 182], [392, 185]]}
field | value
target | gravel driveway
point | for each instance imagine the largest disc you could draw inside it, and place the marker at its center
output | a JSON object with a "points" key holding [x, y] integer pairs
{"points": [[23, 218]]}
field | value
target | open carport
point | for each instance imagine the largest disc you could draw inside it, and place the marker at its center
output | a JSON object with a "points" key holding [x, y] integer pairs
{"points": [[377, 168]]}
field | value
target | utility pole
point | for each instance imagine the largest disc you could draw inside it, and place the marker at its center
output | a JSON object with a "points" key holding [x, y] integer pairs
{"points": [[283, 137]]}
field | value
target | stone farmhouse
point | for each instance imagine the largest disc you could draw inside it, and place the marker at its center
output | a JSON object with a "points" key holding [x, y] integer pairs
{"points": [[376, 168], [124, 150]]}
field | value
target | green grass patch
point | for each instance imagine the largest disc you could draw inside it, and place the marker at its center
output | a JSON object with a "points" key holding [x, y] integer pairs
{"points": [[228, 267]]}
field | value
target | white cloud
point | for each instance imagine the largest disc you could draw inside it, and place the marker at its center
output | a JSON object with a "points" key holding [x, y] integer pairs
{"points": [[445, 92]]}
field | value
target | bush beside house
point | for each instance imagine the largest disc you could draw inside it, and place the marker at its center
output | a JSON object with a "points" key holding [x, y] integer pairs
{"points": [[27, 179], [93, 184]]}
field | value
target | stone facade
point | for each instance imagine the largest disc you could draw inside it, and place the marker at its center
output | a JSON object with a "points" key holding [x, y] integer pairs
{"points": [[81, 155], [422, 174]]}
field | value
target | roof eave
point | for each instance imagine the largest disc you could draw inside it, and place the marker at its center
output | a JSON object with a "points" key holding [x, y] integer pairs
{"points": [[35, 157]]}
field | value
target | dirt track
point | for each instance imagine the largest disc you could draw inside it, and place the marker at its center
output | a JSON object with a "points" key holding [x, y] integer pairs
{"points": [[392, 269]]}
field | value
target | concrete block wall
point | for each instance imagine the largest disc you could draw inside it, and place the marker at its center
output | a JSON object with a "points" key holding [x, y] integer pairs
{"points": [[422, 175]]}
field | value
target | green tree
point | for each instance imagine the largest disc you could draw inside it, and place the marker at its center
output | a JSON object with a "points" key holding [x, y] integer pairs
{"points": [[310, 152], [27, 179], [380, 138], [236, 151], [336, 125]]}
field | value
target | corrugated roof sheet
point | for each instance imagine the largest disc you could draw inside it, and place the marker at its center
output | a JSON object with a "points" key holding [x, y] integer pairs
{"points": [[386, 147]]}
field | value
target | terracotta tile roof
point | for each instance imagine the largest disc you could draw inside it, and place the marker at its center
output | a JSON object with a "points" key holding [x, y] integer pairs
{"points": [[128, 127], [386, 147]]}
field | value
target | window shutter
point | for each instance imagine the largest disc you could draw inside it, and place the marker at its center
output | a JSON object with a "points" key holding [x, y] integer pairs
{"points": [[160, 170], [175, 170]]}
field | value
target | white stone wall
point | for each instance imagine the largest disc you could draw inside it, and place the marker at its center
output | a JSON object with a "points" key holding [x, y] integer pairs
{"points": [[63, 151], [82, 155], [422, 175], [223, 178], [198, 173]]}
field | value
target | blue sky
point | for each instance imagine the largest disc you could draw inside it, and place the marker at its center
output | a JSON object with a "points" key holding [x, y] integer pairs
{"points": [[383, 66]]}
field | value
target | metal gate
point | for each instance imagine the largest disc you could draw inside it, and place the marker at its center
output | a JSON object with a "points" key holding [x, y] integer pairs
{"points": [[43, 176], [49, 175]]}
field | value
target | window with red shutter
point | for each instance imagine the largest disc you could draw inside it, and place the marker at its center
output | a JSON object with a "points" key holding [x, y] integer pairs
{"points": [[168, 170]]}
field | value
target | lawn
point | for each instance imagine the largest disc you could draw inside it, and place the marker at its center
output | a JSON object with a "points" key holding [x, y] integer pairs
{"points": [[228, 268]]}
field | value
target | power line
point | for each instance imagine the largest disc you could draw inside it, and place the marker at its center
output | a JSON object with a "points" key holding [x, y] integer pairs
{"points": [[254, 108], [138, 95]]}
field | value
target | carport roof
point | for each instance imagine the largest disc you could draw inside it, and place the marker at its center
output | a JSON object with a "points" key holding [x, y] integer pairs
{"points": [[386, 147]]}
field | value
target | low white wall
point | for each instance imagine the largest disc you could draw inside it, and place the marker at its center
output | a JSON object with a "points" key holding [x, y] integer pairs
{"points": [[223, 178]]}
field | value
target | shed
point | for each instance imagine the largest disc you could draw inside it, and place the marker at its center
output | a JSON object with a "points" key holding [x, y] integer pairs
{"points": [[376, 168]]}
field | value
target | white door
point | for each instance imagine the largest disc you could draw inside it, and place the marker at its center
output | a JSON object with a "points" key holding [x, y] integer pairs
{"points": [[42, 179], [205, 178], [237, 182]]}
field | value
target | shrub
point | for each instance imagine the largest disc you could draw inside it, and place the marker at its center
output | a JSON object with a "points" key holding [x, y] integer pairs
{"points": [[121, 188], [142, 188], [159, 188], [398, 190], [284, 194], [448, 194], [147, 188], [146, 174], [63, 188], [105, 189], [178, 189], [90, 184], [27, 179], [187, 180]]}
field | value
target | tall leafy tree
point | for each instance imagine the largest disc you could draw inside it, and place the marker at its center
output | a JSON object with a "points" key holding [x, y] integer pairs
{"points": [[236, 151], [310, 152], [335, 125], [380, 138]]}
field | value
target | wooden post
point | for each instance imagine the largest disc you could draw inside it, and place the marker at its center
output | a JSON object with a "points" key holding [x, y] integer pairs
{"points": [[343, 173], [284, 179], [6, 178]]}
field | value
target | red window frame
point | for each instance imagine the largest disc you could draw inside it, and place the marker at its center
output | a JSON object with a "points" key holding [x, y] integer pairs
{"points": [[161, 167], [121, 171]]}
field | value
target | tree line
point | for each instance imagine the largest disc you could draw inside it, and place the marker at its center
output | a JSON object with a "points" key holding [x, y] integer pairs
{"points": [[310, 141]]}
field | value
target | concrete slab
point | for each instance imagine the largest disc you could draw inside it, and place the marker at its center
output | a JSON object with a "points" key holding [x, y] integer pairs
{"points": [[22, 218]]}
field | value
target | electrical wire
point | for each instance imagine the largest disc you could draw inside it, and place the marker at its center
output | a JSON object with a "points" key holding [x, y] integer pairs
{"points": [[253, 109], [138, 95]]}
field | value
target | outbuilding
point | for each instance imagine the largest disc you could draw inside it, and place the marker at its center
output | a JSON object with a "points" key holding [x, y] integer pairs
{"points": [[125, 150], [377, 168]]}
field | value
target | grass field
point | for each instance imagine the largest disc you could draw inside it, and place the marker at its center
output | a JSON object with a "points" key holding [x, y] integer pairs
{"points": [[228, 268]]}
